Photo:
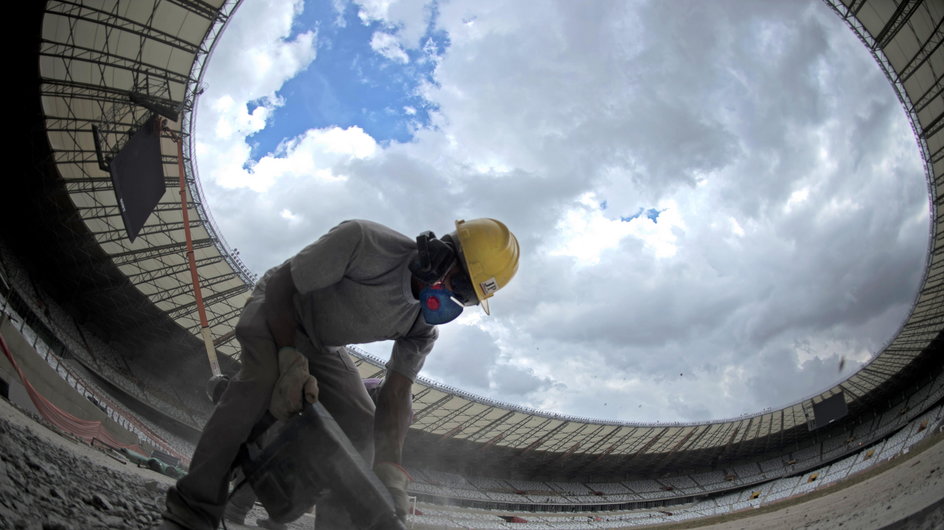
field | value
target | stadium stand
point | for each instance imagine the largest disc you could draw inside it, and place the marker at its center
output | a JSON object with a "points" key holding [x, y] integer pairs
{"points": [[151, 436], [752, 486], [755, 496]]}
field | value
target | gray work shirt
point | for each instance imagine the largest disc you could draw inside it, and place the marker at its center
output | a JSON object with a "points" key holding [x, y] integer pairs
{"points": [[354, 286]]}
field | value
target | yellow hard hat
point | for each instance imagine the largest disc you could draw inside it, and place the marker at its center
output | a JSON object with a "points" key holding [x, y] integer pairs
{"points": [[489, 253]]}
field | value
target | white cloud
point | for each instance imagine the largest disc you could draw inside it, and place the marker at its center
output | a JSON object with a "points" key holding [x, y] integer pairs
{"points": [[796, 198], [409, 17], [259, 61], [289, 215], [386, 44], [793, 218], [318, 154], [584, 231]]}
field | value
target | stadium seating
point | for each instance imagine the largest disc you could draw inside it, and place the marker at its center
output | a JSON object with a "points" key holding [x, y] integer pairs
{"points": [[757, 484], [75, 375]]}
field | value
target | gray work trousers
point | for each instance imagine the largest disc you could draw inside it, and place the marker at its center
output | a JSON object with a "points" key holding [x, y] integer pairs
{"points": [[198, 499]]}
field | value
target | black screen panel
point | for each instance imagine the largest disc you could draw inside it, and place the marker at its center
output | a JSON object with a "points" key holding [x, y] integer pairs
{"points": [[138, 176], [829, 410]]}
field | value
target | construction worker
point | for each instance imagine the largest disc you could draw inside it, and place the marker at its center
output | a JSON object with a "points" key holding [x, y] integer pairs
{"points": [[361, 282]]}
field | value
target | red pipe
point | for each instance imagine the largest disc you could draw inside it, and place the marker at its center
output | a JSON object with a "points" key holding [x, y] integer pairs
{"points": [[190, 257], [198, 296]]}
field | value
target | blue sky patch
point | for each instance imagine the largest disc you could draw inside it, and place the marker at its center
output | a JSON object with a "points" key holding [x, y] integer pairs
{"points": [[651, 213], [349, 84]]}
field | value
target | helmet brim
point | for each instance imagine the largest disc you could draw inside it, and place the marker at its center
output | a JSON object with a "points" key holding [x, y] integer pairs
{"points": [[484, 305]]}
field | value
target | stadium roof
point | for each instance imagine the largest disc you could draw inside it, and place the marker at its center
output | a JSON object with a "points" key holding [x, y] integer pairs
{"points": [[95, 58], [100, 62]]}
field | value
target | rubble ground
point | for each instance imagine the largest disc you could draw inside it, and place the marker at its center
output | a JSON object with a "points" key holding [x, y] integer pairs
{"points": [[49, 481]]}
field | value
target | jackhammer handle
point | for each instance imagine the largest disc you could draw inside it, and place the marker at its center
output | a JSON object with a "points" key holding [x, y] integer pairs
{"points": [[351, 475]]}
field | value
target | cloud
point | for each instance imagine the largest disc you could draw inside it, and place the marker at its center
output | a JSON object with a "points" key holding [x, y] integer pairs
{"points": [[409, 17], [517, 382], [386, 44], [455, 363], [318, 154], [765, 213], [265, 60]]}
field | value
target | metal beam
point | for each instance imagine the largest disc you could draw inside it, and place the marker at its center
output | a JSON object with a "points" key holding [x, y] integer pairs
{"points": [[568, 438], [150, 275], [471, 421], [102, 211], [103, 58], [901, 15], [134, 256], [927, 49], [220, 318], [211, 299], [93, 184], [81, 12], [855, 6], [186, 288], [546, 436], [452, 416], [119, 235], [488, 427], [652, 441], [201, 8], [933, 127], [68, 89], [432, 407], [601, 441]]}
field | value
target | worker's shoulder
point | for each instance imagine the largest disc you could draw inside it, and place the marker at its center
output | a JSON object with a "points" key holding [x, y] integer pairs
{"points": [[370, 229], [365, 225]]}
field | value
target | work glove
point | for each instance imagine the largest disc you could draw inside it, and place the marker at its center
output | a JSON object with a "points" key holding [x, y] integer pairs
{"points": [[396, 479], [295, 385]]}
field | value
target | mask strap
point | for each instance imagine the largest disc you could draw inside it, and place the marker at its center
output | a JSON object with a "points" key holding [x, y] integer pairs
{"points": [[434, 258]]}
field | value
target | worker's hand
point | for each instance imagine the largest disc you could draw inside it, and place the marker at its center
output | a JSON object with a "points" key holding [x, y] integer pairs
{"points": [[295, 384], [396, 479]]}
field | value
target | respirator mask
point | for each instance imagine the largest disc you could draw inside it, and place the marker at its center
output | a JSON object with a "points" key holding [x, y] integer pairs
{"points": [[435, 258]]}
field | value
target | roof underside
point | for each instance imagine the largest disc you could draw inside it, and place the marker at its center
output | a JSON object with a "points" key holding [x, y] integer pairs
{"points": [[94, 55]]}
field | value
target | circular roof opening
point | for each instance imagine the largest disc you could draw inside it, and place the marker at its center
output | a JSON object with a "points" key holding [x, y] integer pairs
{"points": [[721, 208]]}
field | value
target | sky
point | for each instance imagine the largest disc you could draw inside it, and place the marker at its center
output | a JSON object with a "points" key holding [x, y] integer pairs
{"points": [[720, 205]]}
